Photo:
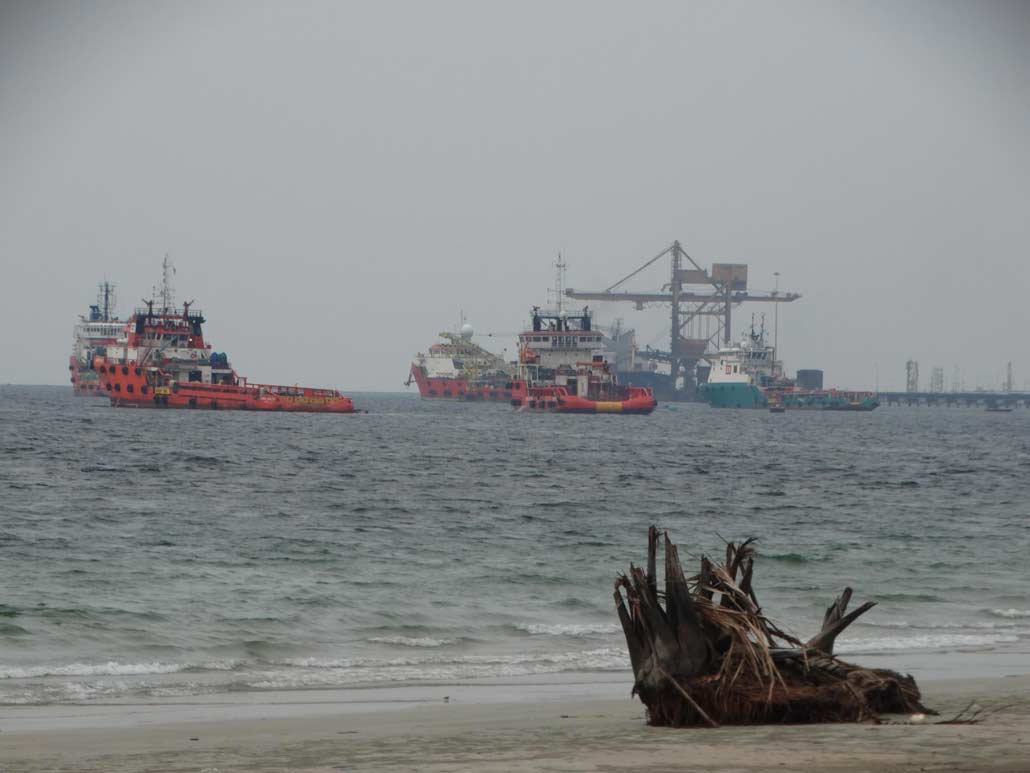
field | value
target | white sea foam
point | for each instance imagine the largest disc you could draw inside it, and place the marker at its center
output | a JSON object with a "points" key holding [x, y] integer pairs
{"points": [[1011, 613], [944, 625], [331, 672], [605, 654], [406, 641], [568, 629], [110, 668], [938, 641]]}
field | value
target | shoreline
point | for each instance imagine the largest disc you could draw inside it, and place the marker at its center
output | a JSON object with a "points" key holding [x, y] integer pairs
{"points": [[580, 725]]}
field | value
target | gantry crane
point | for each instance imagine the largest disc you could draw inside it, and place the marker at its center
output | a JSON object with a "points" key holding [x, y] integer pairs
{"points": [[718, 292]]}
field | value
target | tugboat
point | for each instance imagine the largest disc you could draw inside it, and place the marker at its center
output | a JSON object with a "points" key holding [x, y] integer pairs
{"points": [[164, 362], [747, 375], [92, 333], [561, 369]]}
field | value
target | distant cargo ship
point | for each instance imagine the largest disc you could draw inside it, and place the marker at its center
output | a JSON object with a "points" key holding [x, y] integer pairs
{"points": [[746, 375], [163, 361], [92, 333]]}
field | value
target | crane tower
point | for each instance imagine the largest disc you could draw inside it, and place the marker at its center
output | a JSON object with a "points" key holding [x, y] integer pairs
{"points": [[700, 302]]}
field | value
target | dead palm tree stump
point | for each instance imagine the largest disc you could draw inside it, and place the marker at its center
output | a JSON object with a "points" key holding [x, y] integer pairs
{"points": [[710, 656]]}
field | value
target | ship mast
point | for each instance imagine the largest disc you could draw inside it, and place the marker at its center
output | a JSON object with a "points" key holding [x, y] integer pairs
{"points": [[559, 285], [167, 293], [105, 300]]}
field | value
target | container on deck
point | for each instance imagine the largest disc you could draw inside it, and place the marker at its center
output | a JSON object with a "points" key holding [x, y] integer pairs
{"points": [[810, 379]]}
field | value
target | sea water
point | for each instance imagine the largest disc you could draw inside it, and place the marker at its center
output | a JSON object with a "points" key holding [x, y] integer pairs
{"points": [[170, 553]]}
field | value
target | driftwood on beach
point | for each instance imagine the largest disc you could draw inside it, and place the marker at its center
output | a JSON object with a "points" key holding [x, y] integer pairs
{"points": [[704, 653]]}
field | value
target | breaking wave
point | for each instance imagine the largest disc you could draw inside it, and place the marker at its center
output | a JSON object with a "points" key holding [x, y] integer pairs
{"points": [[111, 668], [1011, 613], [406, 641], [942, 641], [568, 629]]}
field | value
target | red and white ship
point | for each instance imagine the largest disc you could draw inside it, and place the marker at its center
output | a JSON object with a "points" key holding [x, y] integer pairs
{"points": [[456, 368], [163, 361], [563, 366], [91, 335]]}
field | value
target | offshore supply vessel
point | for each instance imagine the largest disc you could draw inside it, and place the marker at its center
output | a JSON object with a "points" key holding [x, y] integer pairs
{"points": [[456, 368], [563, 367], [747, 375], [560, 369], [163, 361], [91, 334]]}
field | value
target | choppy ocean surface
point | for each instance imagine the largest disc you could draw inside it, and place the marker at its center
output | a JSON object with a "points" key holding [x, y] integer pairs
{"points": [[168, 553]]}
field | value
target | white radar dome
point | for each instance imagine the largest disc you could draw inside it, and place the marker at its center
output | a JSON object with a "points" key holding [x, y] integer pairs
{"points": [[467, 331]]}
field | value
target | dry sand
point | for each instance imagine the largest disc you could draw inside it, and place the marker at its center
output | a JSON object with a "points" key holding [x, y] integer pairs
{"points": [[497, 728]]}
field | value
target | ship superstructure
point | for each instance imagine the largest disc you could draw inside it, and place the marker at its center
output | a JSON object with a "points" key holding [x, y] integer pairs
{"points": [[563, 364], [91, 335], [163, 360]]}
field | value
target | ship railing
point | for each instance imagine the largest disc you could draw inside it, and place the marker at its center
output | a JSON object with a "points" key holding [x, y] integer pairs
{"points": [[171, 312], [294, 391]]}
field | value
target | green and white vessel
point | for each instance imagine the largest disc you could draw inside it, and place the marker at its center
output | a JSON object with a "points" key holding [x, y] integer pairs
{"points": [[747, 375]]}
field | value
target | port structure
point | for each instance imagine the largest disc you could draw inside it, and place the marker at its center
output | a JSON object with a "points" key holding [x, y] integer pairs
{"points": [[1004, 397], [911, 376], [693, 294], [968, 399]]}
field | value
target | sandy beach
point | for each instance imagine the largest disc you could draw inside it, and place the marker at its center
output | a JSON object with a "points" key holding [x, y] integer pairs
{"points": [[576, 726]]}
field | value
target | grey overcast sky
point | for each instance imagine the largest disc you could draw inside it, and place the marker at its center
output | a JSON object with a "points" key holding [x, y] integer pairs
{"points": [[335, 181]]}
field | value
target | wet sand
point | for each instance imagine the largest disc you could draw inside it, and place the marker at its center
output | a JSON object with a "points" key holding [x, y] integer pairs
{"points": [[577, 727]]}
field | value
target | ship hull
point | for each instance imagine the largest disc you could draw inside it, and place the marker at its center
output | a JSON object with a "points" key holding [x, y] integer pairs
{"points": [[127, 386], [638, 401], [84, 381], [741, 395], [660, 384], [440, 388], [733, 395], [831, 403]]}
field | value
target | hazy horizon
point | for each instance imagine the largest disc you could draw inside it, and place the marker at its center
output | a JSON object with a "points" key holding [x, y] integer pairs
{"points": [[336, 183]]}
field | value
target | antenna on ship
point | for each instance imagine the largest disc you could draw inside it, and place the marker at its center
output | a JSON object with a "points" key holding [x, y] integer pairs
{"points": [[559, 284], [105, 300], [167, 293]]}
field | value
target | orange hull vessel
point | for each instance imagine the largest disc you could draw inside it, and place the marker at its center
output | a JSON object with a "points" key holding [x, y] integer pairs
{"points": [[638, 400], [493, 390], [163, 361], [456, 368], [131, 385], [562, 366]]}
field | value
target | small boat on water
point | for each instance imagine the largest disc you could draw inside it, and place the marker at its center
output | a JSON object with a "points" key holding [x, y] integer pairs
{"points": [[997, 409], [777, 409]]}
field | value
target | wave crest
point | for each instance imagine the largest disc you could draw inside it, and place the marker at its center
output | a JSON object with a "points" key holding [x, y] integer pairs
{"points": [[408, 641], [111, 668], [568, 629], [1010, 613]]}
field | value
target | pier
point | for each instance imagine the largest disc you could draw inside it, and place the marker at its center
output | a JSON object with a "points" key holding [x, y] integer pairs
{"points": [[957, 399]]}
